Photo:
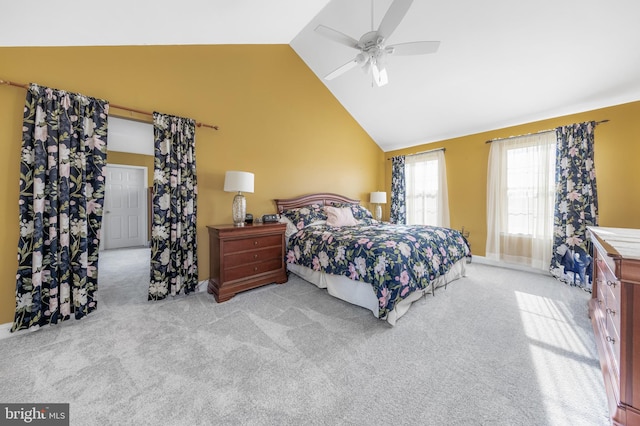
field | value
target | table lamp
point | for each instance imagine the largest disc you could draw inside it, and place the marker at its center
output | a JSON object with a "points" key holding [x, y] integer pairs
{"points": [[378, 198], [239, 182]]}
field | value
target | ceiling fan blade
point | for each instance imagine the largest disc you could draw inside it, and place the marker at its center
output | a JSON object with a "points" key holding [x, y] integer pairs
{"points": [[413, 48], [393, 17], [379, 75], [342, 69], [337, 36]]}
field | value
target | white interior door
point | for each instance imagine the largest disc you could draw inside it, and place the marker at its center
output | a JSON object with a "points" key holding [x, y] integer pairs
{"points": [[125, 218]]}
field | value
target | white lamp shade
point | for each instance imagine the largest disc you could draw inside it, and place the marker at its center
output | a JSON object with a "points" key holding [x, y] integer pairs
{"points": [[238, 181], [378, 197]]}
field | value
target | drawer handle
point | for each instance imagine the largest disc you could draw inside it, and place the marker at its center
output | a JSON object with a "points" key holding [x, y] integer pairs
{"points": [[611, 339], [611, 283], [255, 243], [255, 256], [611, 312], [255, 269]]}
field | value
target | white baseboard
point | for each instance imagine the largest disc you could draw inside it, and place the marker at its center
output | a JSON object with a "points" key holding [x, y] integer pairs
{"points": [[500, 264], [5, 330], [202, 286]]}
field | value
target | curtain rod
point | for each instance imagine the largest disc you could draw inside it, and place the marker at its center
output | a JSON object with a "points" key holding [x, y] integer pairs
{"points": [[26, 86], [422, 152], [536, 133]]}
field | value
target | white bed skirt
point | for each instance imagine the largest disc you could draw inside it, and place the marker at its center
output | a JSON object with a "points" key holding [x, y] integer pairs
{"points": [[362, 294]]}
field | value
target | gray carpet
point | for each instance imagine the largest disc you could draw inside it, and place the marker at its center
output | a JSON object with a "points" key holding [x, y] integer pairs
{"points": [[499, 347]]}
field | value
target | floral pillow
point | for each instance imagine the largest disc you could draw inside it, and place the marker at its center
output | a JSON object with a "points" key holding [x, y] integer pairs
{"points": [[360, 213], [307, 215]]}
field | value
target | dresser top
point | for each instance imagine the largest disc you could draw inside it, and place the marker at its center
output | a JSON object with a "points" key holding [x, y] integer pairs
{"points": [[625, 241]]}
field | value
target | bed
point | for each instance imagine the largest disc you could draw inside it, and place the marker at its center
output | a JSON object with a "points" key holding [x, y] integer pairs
{"points": [[334, 243]]}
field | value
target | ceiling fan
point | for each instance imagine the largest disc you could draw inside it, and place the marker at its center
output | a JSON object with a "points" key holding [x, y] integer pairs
{"points": [[372, 47]]}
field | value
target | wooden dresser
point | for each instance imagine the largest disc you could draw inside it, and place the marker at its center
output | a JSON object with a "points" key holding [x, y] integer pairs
{"points": [[615, 314], [242, 258]]}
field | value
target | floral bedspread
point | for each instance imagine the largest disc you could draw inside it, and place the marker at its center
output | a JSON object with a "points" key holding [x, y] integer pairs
{"points": [[395, 259]]}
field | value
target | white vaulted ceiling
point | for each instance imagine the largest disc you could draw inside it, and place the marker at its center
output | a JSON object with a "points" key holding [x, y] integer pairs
{"points": [[500, 62], [153, 22]]}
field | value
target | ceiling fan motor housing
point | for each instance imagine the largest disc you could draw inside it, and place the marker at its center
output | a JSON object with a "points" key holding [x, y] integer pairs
{"points": [[371, 40]]}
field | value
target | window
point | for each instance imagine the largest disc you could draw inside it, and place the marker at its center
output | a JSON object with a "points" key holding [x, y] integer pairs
{"points": [[520, 199], [426, 189], [525, 166]]}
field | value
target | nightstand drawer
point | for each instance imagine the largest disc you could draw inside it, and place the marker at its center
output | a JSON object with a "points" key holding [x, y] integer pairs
{"points": [[250, 243], [248, 270], [240, 258]]}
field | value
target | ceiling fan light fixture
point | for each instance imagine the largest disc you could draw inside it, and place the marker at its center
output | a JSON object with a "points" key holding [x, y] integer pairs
{"points": [[381, 58], [366, 68], [362, 59], [379, 75]]}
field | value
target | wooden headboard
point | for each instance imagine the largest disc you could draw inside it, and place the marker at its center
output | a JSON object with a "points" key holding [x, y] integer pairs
{"points": [[323, 198]]}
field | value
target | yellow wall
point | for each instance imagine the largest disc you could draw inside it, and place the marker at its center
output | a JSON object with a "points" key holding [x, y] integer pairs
{"points": [[276, 120], [617, 150]]}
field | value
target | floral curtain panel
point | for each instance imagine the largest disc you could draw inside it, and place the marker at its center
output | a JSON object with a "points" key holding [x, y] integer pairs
{"points": [[398, 191], [64, 152], [174, 262], [576, 205]]}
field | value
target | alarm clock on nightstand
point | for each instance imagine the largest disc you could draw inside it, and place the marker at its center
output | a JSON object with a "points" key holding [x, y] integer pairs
{"points": [[270, 218]]}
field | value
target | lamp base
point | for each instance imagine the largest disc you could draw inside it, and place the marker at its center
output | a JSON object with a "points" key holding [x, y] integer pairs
{"points": [[239, 209], [378, 212]]}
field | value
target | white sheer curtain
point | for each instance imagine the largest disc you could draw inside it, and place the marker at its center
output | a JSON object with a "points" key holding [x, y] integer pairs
{"points": [[520, 199], [426, 189]]}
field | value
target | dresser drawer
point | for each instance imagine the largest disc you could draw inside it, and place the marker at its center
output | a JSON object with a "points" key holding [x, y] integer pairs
{"points": [[232, 246], [606, 268], [251, 256], [612, 336], [612, 294], [600, 312], [246, 271], [602, 296]]}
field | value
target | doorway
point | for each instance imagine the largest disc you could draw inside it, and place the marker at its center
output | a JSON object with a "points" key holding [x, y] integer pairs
{"points": [[126, 210]]}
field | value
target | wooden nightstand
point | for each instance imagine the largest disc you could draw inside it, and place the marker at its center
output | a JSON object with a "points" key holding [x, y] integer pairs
{"points": [[246, 257]]}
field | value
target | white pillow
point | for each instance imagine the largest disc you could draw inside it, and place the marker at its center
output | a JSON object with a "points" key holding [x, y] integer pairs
{"points": [[291, 228], [340, 216]]}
